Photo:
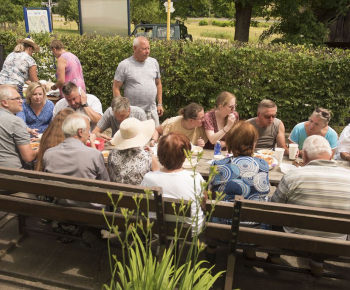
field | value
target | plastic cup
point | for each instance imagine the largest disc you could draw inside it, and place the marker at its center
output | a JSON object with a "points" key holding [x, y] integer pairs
{"points": [[279, 152], [293, 149]]}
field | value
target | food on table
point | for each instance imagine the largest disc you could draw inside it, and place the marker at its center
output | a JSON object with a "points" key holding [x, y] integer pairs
{"points": [[196, 149], [34, 145]]}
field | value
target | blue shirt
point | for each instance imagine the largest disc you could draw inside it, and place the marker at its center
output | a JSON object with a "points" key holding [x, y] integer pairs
{"points": [[299, 135], [37, 122]]}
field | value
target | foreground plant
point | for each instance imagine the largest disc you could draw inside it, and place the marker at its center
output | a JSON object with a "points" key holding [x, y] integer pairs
{"points": [[138, 268]]}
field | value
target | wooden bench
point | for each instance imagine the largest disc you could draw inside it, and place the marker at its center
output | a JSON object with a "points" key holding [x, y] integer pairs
{"points": [[84, 190], [268, 241]]}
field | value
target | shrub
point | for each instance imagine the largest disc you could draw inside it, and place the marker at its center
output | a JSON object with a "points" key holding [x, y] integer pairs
{"points": [[223, 23], [198, 71], [203, 22]]}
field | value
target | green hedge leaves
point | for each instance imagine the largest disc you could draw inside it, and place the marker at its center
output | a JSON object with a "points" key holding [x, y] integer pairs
{"points": [[297, 78]]}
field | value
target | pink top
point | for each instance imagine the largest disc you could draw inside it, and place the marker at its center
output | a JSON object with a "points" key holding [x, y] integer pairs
{"points": [[74, 71], [209, 123]]}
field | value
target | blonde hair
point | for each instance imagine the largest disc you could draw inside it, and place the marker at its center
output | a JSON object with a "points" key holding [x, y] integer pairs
{"points": [[224, 98], [30, 91], [324, 114]]}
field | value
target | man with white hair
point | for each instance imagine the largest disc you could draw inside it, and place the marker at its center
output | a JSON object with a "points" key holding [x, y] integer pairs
{"points": [[140, 75], [72, 157], [15, 147], [320, 183]]}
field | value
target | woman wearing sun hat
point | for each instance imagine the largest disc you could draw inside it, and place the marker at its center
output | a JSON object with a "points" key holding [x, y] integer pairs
{"points": [[19, 66], [129, 161]]}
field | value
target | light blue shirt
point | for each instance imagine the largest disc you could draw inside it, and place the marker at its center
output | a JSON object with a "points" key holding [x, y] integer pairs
{"points": [[299, 135]]}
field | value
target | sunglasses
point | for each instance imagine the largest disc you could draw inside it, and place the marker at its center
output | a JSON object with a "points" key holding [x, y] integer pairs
{"points": [[323, 113], [270, 116]]}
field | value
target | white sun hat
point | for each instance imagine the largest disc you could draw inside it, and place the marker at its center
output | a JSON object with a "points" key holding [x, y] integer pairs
{"points": [[133, 133]]}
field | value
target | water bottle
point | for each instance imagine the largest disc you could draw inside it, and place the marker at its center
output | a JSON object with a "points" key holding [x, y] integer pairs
{"points": [[217, 148]]}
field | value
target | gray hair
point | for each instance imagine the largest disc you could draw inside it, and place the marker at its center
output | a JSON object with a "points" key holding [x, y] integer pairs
{"points": [[73, 123], [138, 39], [120, 104], [6, 92], [266, 104], [68, 88], [316, 145]]}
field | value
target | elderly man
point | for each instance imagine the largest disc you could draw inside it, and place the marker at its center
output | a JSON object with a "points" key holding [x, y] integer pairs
{"points": [[119, 110], [72, 157], [320, 183], [15, 146], [140, 75], [271, 130], [76, 98]]}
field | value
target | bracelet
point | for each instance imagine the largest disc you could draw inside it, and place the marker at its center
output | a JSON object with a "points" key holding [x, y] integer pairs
{"points": [[223, 129], [160, 105]]}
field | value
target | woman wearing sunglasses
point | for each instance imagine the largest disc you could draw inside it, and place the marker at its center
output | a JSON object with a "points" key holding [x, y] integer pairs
{"points": [[220, 120], [316, 125]]}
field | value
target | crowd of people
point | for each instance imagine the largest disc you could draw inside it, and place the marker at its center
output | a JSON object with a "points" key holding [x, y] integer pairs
{"points": [[133, 119]]}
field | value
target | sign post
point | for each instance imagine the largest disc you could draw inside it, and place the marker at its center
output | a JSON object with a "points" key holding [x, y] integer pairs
{"points": [[169, 9]]}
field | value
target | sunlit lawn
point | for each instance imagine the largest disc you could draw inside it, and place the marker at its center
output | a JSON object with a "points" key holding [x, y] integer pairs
{"points": [[208, 32]]}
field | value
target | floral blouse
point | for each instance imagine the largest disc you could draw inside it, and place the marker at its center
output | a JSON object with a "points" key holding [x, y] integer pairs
{"points": [[129, 166], [15, 69]]}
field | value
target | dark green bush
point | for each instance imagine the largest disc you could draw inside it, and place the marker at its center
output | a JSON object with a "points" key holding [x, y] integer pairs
{"points": [[297, 78], [203, 22]]}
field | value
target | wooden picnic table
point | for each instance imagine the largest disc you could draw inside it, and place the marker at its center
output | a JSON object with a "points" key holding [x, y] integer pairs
{"points": [[275, 174]]}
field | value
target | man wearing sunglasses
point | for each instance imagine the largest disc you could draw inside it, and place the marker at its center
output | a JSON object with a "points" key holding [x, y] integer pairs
{"points": [[15, 146], [271, 130]]}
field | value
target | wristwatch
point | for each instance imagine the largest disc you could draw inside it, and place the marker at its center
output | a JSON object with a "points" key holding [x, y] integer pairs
{"points": [[85, 105]]}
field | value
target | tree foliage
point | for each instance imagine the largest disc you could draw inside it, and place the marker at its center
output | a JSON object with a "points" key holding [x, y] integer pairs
{"points": [[69, 10], [11, 11], [304, 21], [147, 10]]}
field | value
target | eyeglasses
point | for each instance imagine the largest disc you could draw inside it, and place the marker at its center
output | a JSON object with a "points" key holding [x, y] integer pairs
{"points": [[233, 107], [18, 99], [270, 116]]}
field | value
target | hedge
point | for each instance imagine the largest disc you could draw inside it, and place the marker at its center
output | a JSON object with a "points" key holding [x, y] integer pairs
{"points": [[297, 78]]}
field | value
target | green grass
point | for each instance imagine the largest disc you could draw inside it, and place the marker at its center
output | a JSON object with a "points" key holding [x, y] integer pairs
{"points": [[217, 35]]}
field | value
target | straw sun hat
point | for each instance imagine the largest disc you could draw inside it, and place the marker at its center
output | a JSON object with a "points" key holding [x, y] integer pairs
{"points": [[133, 133], [30, 42]]}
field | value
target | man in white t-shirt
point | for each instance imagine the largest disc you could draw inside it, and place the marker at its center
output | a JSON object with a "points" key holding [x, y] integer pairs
{"points": [[77, 99]]}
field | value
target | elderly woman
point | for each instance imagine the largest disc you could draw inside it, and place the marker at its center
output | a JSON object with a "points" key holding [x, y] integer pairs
{"points": [[189, 123], [19, 66], [176, 182], [37, 109], [242, 174], [317, 125], [219, 121], [68, 67], [129, 162]]}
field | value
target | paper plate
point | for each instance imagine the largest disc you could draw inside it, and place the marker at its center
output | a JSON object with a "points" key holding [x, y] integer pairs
{"points": [[285, 167]]}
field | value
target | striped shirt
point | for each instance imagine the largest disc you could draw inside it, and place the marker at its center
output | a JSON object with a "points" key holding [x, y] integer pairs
{"points": [[321, 183]]}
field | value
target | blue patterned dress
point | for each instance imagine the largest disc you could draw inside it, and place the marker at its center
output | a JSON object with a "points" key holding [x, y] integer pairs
{"points": [[37, 122], [244, 175]]}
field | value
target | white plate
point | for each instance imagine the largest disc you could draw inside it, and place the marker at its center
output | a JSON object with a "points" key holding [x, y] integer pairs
{"points": [[285, 167]]}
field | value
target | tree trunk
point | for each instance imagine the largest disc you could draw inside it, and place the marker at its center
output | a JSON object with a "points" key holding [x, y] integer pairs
{"points": [[243, 16]]}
